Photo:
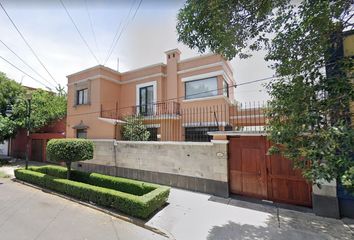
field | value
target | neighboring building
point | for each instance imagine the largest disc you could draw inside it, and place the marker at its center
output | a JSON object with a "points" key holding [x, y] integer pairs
{"points": [[346, 199], [99, 98], [4, 148], [37, 141], [348, 51]]}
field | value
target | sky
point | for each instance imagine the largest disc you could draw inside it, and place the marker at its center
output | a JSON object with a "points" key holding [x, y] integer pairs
{"points": [[50, 32]]}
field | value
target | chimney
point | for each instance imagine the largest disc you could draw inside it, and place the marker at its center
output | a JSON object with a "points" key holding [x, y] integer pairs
{"points": [[172, 59]]}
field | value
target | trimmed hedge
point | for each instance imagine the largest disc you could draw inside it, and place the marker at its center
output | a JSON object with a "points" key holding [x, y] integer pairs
{"points": [[69, 149], [139, 206], [120, 184]]}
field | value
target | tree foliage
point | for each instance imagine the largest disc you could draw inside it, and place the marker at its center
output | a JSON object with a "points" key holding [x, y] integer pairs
{"points": [[69, 150], [10, 93], [134, 129], [45, 107], [309, 108]]}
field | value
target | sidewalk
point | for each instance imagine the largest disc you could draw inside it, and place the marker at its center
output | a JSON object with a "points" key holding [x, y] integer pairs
{"points": [[27, 213], [199, 216], [18, 163]]}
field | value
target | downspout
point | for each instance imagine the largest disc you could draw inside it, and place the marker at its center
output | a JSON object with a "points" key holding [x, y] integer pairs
{"points": [[115, 149]]}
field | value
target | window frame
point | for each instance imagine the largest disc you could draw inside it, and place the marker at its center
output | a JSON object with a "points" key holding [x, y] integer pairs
{"points": [[80, 100], [199, 134], [149, 110], [225, 88], [198, 97], [82, 131], [154, 97]]}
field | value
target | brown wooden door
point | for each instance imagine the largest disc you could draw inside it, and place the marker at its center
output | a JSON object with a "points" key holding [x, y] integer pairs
{"points": [[286, 184], [247, 167], [253, 173], [37, 150]]}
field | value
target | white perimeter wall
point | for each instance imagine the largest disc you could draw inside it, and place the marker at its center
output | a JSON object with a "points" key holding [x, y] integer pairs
{"points": [[202, 160]]}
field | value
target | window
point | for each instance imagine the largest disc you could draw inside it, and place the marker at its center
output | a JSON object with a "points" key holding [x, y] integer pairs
{"points": [[198, 134], [146, 100], [81, 133], [225, 89], [153, 134], [82, 96], [201, 88]]}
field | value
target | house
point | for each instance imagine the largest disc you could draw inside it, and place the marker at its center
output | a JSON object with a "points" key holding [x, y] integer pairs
{"points": [[37, 141], [348, 51], [165, 94]]}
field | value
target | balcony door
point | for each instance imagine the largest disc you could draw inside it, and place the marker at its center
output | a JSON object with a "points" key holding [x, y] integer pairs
{"points": [[146, 100]]}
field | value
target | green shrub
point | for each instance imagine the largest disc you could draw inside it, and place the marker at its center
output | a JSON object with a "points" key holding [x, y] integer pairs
{"points": [[138, 206], [69, 150], [120, 184], [134, 129]]}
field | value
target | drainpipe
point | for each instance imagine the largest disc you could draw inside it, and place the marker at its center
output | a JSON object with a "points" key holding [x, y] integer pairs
{"points": [[115, 148]]}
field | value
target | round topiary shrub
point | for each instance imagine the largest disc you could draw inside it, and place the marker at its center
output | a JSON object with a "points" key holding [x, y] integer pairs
{"points": [[69, 150]]}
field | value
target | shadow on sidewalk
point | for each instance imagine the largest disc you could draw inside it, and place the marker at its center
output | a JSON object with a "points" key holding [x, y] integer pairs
{"points": [[258, 204]]}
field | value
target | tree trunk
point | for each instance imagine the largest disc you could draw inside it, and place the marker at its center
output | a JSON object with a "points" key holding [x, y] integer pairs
{"points": [[68, 166]]}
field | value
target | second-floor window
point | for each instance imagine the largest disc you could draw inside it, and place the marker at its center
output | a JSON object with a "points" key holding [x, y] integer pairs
{"points": [[225, 89], [146, 100], [201, 88], [82, 96]]}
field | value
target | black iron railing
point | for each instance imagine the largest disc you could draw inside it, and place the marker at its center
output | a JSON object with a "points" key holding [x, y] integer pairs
{"points": [[170, 121]]}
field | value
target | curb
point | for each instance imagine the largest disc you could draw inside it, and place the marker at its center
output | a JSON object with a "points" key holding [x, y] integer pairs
{"points": [[121, 216]]}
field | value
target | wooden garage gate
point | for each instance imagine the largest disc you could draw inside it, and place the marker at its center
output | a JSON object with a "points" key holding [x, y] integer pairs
{"points": [[253, 173]]}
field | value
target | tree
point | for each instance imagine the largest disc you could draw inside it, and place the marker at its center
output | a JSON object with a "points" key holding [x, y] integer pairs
{"points": [[309, 113], [134, 129], [69, 150], [46, 107], [10, 94]]}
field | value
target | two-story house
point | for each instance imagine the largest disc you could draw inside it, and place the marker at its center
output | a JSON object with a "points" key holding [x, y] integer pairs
{"points": [[99, 98]]}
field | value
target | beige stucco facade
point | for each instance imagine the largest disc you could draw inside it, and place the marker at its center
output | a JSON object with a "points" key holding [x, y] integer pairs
{"points": [[112, 95]]}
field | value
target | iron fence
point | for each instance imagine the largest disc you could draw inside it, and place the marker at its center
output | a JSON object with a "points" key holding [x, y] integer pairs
{"points": [[172, 121]]}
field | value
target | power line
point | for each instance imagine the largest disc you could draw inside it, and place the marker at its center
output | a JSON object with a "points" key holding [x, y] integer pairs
{"points": [[13, 65], [118, 30], [77, 29], [123, 29], [28, 45], [24, 62], [91, 25]]}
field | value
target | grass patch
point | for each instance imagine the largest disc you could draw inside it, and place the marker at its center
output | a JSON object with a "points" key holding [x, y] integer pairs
{"points": [[135, 198]]}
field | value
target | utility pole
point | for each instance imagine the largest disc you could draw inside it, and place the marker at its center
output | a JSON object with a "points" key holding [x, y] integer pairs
{"points": [[28, 126]]}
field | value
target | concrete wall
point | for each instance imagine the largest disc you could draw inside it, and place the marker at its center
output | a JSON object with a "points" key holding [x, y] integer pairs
{"points": [[194, 166]]}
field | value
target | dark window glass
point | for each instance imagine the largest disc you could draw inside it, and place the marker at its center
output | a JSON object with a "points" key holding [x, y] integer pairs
{"points": [[198, 134], [81, 133], [201, 88], [153, 134], [82, 96], [146, 100], [226, 89]]}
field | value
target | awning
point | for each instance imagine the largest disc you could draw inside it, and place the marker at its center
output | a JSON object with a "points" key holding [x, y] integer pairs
{"points": [[81, 125], [112, 121]]}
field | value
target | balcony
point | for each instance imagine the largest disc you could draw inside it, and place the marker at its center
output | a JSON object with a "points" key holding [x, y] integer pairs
{"points": [[148, 110]]}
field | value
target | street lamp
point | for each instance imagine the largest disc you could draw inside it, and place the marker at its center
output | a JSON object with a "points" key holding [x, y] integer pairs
{"points": [[28, 125]]}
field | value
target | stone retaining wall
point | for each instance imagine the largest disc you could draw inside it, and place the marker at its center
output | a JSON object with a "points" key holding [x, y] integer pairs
{"points": [[194, 166]]}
